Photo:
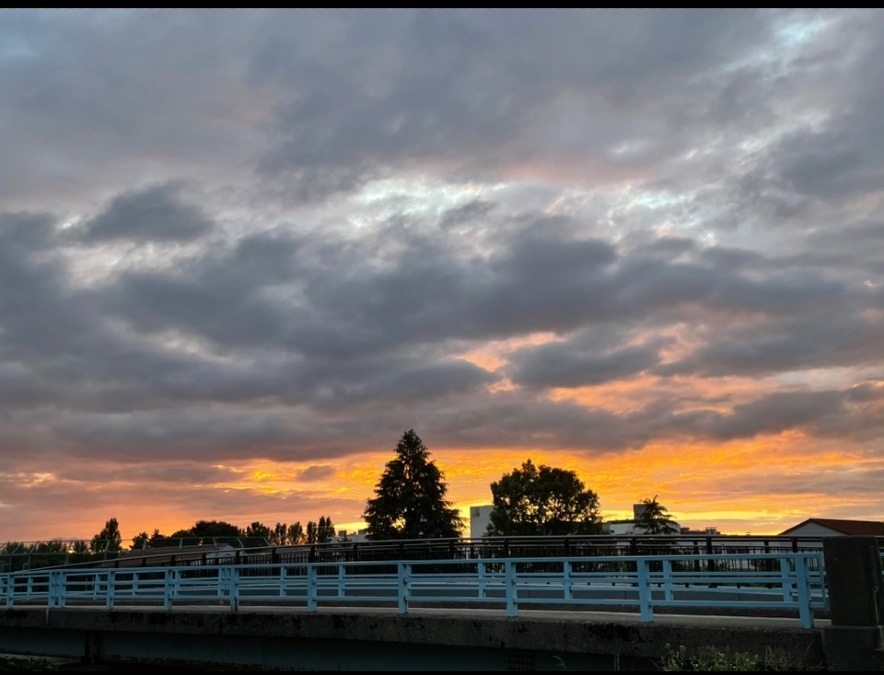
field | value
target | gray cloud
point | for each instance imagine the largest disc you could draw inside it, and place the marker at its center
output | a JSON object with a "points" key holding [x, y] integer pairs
{"points": [[155, 214], [288, 235], [455, 87]]}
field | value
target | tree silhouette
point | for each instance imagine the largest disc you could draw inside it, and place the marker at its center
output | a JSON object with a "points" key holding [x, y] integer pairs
{"points": [[294, 534], [325, 531], [409, 500], [655, 518], [543, 501], [109, 540]]}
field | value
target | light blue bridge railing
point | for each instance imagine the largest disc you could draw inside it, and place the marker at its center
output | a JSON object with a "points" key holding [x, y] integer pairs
{"points": [[781, 581]]}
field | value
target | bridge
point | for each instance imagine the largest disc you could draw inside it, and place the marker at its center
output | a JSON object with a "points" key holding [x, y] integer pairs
{"points": [[812, 606]]}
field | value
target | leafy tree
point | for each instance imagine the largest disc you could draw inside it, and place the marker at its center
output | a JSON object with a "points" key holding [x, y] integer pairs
{"points": [[257, 534], [109, 540], [655, 518], [294, 534], [278, 535], [139, 541], [142, 540], [543, 500], [79, 551], [48, 553], [215, 528], [181, 538], [410, 497], [156, 538], [257, 529], [206, 532]]}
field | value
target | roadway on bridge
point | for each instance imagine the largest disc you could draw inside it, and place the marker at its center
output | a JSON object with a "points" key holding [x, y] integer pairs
{"points": [[769, 622]]}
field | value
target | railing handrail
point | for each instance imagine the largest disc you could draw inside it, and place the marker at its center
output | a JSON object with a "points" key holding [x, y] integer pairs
{"points": [[455, 547], [792, 581]]}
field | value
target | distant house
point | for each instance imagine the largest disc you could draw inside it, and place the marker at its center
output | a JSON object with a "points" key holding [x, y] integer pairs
{"points": [[827, 527]]}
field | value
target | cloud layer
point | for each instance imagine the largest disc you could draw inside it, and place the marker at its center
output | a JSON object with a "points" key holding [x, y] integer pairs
{"points": [[241, 251]]}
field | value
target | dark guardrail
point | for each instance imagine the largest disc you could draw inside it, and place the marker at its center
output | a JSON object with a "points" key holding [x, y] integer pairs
{"points": [[209, 551]]}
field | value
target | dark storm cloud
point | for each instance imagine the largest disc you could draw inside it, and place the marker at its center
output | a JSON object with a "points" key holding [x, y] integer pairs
{"points": [[312, 473], [276, 327], [155, 214], [111, 97], [166, 434], [777, 412], [836, 153], [552, 368], [784, 345], [520, 419], [588, 358], [39, 313], [842, 157], [456, 87], [867, 391], [171, 473]]}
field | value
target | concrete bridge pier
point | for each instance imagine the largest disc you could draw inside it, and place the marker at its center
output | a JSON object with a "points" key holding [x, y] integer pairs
{"points": [[855, 638]]}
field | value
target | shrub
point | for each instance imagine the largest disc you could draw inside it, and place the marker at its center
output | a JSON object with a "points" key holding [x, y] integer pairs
{"points": [[708, 659]]}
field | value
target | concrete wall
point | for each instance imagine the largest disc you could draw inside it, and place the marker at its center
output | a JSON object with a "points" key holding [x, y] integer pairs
{"points": [[335, 639], [855, 639]]}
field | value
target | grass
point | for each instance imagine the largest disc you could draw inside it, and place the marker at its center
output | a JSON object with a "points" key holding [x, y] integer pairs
{"points": [[708, 659], [714, 659], [24, 663]]}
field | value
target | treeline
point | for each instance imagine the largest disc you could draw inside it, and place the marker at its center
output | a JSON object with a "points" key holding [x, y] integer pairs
{"points": [[409, 502], [108, 543], [215, 531]]}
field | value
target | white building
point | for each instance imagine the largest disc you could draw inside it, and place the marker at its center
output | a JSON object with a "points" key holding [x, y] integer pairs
{"points": [[343, 537], [480, 519]]}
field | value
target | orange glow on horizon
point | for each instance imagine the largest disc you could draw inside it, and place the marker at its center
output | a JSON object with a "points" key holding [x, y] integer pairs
{"points": [[763, 486]]}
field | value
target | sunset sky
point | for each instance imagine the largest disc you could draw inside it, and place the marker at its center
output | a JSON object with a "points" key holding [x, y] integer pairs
{"points": [[242, 251]]}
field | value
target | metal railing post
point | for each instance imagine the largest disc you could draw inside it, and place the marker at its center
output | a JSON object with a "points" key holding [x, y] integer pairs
{"points": [[342, 580], [403, 570], [785, 579], [512, 601], [56, 589], [234, 588], [644, 590], [312, 591], [802, 582], [169, 587], [667, 580], [110, 589]]}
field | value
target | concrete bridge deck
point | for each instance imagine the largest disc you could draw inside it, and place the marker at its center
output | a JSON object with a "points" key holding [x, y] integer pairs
{"points": [[845, 634], [425, 639]]}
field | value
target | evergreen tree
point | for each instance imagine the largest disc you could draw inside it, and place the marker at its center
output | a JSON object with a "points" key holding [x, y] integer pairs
{"points": [[109, 540], [312, 532], [409, 500], [326, 530]]}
